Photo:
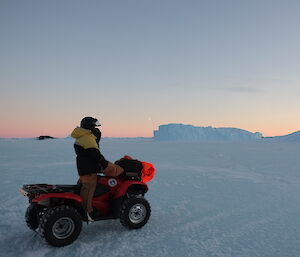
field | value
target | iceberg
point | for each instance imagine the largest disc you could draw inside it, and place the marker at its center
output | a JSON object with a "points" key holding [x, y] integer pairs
{"points": [[181, 132]]}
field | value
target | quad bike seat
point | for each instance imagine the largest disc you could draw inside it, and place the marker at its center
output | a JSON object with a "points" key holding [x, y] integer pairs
{"points": [[100, 189], [68, 188]]}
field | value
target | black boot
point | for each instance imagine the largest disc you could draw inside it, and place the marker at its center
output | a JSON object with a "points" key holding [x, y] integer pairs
{"points": [[93, 215]]}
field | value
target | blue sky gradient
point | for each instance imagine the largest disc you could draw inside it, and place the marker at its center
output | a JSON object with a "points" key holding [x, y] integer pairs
{"points": [[138, 64]]}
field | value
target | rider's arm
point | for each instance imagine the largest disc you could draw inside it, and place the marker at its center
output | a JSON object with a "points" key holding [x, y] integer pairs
{"points": [[97, 156]]}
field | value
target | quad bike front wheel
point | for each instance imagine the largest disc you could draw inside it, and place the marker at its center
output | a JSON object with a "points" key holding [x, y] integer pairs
{"points": [[60, 225], [135, 212]]}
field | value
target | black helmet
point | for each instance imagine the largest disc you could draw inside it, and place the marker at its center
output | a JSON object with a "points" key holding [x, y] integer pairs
{"points": [[89, 123]]}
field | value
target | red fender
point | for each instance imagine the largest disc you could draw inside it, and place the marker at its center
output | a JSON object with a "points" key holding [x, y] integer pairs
{"points": [[71, 196], [126, 184]]}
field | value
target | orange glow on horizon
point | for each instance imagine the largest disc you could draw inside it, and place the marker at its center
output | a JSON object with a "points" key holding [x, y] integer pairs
{"points": [[111, 132], [62, 133]]}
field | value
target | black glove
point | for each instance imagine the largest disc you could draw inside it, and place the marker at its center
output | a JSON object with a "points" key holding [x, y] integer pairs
{"points": [[97, 133]]}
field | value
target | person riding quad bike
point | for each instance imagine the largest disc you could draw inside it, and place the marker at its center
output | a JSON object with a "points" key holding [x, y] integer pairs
{"points": [[90, 161]]}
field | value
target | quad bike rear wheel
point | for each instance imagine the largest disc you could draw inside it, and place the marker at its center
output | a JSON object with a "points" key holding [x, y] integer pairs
{"points": [[60, 225], [31, 217], [135, 212]]}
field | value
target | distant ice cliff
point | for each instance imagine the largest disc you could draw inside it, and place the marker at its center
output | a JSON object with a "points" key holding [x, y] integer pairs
{"points": [[181, 132]]}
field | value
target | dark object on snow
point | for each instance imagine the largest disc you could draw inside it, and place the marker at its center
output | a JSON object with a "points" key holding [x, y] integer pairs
{"points": [[45, 137]]}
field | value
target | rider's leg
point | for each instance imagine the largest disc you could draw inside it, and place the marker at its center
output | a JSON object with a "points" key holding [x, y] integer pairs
{"points": [[87, 190], [112, 170]]}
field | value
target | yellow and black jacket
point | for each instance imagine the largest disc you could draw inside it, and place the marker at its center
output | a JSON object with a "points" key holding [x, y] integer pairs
{"points": [[89, 159]]}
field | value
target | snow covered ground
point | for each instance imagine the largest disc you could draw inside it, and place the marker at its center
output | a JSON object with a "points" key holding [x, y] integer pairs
{"points": [[208, 199]]}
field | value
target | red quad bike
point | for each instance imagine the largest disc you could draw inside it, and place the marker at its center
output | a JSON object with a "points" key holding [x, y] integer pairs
{"points": [[56, 210]]}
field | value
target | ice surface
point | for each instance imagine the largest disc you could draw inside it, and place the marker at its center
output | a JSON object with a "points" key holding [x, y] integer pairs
{"points": [[181, 132], [208, 199]]}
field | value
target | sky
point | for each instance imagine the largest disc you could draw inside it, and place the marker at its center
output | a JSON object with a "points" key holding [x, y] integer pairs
{"points": [[137, 64]]}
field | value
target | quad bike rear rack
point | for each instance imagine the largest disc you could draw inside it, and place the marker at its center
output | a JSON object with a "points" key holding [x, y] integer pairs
{"points": [[30, 190]]}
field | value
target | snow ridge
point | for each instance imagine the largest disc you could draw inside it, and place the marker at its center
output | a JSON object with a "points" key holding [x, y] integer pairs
{"points": [[293, 137]]}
